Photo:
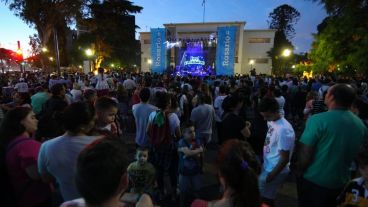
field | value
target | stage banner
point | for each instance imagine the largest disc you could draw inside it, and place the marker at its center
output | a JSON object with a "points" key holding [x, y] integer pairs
{"points": [[225, 52], [158, 50]]}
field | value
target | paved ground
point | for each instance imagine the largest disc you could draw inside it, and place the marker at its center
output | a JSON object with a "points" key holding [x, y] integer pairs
{"points": [[286, 196]]}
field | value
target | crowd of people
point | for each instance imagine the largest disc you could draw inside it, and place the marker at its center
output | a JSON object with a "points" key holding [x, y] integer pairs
{"points": [[64, 140]]}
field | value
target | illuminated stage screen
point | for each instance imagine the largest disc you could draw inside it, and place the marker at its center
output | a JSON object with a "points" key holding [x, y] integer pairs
{"points": [[195, 59]]}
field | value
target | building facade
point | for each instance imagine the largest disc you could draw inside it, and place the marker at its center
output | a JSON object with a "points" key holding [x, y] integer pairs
{"points": [[251, 46]]}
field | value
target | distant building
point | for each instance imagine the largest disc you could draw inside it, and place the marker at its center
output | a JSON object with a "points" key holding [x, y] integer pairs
{"points": [[250, 50]]}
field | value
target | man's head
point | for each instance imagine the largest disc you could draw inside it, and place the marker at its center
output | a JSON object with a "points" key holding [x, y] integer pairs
{"points": [[101, 171], [142, 155], [269, 109], [106, 109], [145, 94], [340, 96]]}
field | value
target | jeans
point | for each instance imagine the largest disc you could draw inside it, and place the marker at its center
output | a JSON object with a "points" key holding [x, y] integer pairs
{"points": [[189, 187]]}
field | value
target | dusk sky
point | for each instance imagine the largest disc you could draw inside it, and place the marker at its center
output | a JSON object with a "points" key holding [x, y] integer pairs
{"points": [[155, 13]]}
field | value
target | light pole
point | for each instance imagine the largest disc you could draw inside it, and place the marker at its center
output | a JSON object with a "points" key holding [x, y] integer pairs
{"points": [[89, 52], [149, 61], [286, 53], [251, 62]]}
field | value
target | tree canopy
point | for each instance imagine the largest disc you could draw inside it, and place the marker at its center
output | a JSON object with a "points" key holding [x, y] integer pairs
{"points": [[341, 44], [283, 20]]}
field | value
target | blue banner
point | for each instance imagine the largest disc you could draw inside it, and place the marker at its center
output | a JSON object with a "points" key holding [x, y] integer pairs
{"points": [[225, 52], [158, 50]]}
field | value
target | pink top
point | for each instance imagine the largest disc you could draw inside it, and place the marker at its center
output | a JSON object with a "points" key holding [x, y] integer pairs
{"points": [[202, 203], [18, 158], [199, 203]]}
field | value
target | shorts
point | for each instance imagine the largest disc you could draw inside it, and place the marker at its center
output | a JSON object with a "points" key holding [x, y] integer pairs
{"points": [[269, 190]]}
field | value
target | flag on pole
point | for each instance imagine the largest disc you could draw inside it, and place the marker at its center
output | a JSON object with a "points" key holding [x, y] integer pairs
{"points": [[203, 2]]}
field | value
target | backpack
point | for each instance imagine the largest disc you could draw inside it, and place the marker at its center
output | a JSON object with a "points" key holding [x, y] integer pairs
{"points": [[159, 133]]}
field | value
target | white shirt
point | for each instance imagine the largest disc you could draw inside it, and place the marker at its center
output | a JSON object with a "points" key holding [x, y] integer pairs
{"points": [[21, 87], [280, 136], [218, 107]]}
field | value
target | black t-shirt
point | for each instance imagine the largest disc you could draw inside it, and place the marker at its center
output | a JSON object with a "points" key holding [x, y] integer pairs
{"points": [[231, 127]]}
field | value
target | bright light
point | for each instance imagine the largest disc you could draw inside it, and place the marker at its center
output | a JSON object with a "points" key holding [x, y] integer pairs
{"points": [[95, 72], [149, 61], [286, 53], [19, 52], [293, 66], [51, 58], [89, 52], [112, 65], [251, 62], [79, 66], [44, 49]]}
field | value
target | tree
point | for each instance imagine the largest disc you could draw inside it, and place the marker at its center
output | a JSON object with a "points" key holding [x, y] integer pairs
{"points": [[111, 33], [282, 19], [341, 44], [45, 15]]}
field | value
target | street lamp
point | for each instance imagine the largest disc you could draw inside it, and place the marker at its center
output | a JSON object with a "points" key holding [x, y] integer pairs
{"points": [[149, 61], [251, 62], [286, 52], [89, 52], [44, 49], [51, 59]]}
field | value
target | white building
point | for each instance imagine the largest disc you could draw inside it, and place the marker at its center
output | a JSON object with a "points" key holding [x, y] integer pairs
{"points": [[250, 50]]}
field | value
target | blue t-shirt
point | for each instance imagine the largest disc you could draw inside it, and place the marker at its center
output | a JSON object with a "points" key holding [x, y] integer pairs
{"points": [[188, 165]]}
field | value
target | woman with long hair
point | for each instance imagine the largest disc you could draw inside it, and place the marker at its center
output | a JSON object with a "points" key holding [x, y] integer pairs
{"points": [[238, 170], [19, 154]]}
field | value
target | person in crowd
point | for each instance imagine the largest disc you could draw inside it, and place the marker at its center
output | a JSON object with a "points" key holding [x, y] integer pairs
{"points": [[49, 124], [102, 86], [19, 154], [21, 86], [102, 179], [203, 117], [327, 149], [141, 173], [19, 99], [280, 100], [141, 113], [218, 103], [129, 84], [57, 157], [76, 93], [90, 96], [190, 181], [311, 97], [232, 125], [277, 150], [39, 98], [355, 192], [161, 140], [106, 110], [360, 108], [238, 169]]}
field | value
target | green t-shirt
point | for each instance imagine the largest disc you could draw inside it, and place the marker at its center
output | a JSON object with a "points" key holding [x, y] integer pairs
{"points": [[141, 178], [336, 136]]}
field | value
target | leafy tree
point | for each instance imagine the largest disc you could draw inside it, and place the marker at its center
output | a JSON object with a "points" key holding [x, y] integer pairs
{"points": [[282, 19], [44, 15], [341, 44], [111, 33]]}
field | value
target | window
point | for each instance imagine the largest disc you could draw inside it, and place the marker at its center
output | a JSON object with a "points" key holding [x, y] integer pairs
{"points": [[146, 41], [259, 40]]}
